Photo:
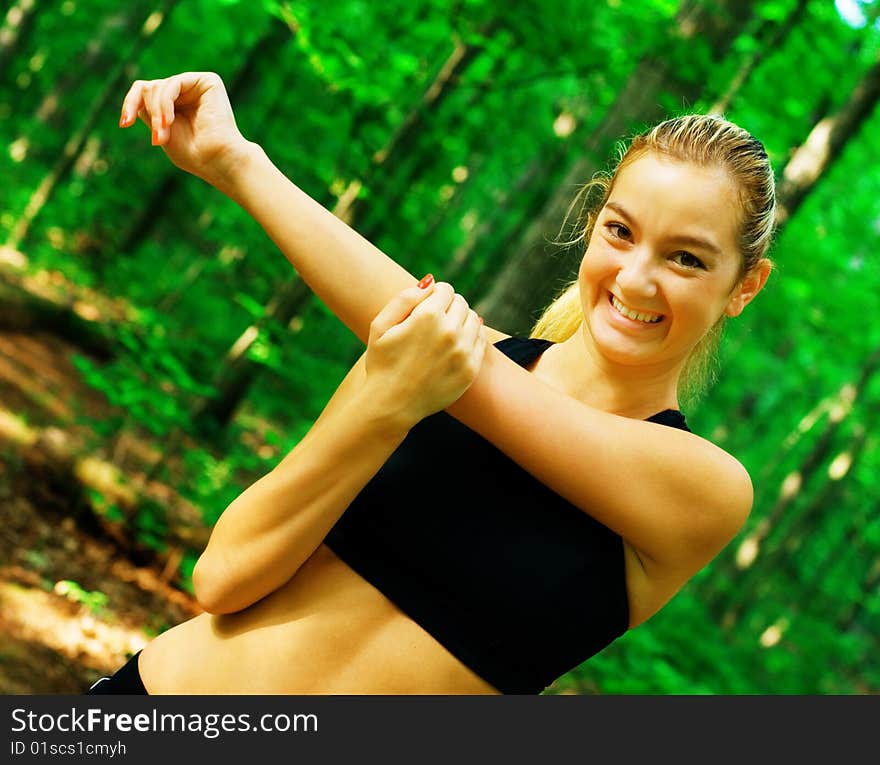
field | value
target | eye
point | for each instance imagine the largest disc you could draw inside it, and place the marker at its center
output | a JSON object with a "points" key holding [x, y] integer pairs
{"points": [[618, 230], [688, 260]]}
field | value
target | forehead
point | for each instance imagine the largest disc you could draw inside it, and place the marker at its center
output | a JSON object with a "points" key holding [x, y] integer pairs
{"points": [[679, 198]]}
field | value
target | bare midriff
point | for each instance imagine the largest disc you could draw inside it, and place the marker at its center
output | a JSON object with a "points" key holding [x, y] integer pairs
{"points": [[326, 631]]}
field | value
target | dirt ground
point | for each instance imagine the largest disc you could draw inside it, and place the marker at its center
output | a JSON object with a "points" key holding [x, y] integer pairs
{"points": [[73, 603], [75, 600]]}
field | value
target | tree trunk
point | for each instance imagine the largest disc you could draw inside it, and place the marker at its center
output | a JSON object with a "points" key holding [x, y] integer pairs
{"points": [[850, 617], [22, 310], [530, 279], [16, 29], [824, 144], [99, 56], [777, 563], [740, 567], [533, 180], [770, 39], [350, 206], [451, 207], [830, 405], [747, 563], [849, 554], [77, 141], [239, 370], [276, 36], [817, 155]]}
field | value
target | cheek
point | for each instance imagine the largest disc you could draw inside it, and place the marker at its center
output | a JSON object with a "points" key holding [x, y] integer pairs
{"points": [[697, 311], [584, 269], [586, 281], [594, 270], [591, 263]]}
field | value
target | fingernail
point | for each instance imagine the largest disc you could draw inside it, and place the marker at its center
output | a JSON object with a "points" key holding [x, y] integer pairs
{"points": [[426, 281], [164, 123], [481, 319], [123, 119], [155, 137]]}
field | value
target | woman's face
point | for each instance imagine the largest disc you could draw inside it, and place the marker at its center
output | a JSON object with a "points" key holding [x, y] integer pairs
{"points": [[662, 264]]}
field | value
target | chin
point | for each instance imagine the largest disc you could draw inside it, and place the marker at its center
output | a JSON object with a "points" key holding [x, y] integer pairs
{"points": [[618, 351]]}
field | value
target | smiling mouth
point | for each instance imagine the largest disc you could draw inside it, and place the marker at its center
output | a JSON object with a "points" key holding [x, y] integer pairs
{"points": [[643, 317]]}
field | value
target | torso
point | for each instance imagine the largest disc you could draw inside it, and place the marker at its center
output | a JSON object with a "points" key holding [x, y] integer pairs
{"points": [[329, 631]]}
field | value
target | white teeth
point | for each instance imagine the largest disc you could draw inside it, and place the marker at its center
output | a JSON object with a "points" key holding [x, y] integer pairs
{"points": [[630, 314]]}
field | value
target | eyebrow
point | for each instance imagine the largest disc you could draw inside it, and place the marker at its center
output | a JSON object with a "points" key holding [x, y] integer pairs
{"points": [[690, 241]]}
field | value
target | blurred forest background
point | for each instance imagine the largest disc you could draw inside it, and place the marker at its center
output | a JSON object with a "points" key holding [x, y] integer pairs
{"points": [[158, 354]]}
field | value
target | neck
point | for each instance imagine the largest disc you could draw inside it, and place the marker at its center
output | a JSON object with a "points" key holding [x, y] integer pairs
{"points": [[577, 368]]}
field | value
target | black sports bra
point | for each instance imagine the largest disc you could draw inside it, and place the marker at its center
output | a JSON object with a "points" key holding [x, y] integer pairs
{"points": [[515, 581]]}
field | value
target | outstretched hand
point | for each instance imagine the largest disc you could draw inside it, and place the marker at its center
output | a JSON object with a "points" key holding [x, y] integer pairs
{"points": [[191, 118]]}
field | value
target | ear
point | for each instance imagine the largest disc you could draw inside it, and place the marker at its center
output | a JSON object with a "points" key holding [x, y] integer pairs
{"points": [[749, 286]]}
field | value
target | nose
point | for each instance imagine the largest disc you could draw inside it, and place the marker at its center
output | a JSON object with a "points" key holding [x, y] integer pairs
{"points": [[636, 275]]}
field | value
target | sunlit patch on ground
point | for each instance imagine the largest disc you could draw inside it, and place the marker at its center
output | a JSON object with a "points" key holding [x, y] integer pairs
{"points": [[73, 604], [30, 613]]}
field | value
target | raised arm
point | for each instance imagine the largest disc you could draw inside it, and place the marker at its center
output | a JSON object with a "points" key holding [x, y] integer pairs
{"points": [[351, 276], [192, 120]]}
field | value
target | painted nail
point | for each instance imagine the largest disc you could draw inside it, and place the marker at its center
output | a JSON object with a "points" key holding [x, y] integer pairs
{"points": [[123, 119], [164, 123], [426, 281], [155, 137]]}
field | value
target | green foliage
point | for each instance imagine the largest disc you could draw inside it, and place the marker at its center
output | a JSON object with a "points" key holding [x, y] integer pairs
{"points": [[151, 525], [95, 601], [334, 88]]}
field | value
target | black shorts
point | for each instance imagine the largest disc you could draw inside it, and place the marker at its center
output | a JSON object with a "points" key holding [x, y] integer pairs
{"points": [[126, 680]]}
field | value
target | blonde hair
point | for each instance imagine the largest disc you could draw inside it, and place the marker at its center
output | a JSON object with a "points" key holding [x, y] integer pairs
{"points": [[705, 140]]}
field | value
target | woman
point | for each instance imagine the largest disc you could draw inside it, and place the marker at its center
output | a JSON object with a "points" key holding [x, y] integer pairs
{"points": [[559, 499]]}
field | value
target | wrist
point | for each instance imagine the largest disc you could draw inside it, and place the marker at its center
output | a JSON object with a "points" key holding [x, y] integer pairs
{"points": [[390, 419], [232, 168]]}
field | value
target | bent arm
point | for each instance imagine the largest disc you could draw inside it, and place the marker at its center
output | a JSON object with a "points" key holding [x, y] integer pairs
{"points": [[351, 276], [677, 498], [269, 530]]}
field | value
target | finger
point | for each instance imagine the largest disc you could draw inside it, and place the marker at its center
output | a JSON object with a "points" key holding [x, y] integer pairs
{"points": [[132, 104], [167, 92], [399, 308], [457, 311], [437, 303], [480, 346], [153, 101], [150, 117], [471, 328], [193, 85]]}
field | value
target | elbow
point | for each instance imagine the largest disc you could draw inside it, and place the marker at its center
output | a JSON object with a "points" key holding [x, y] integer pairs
{"points": [[209, 590], [745, 494], [738, 499], [725, 514]]}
